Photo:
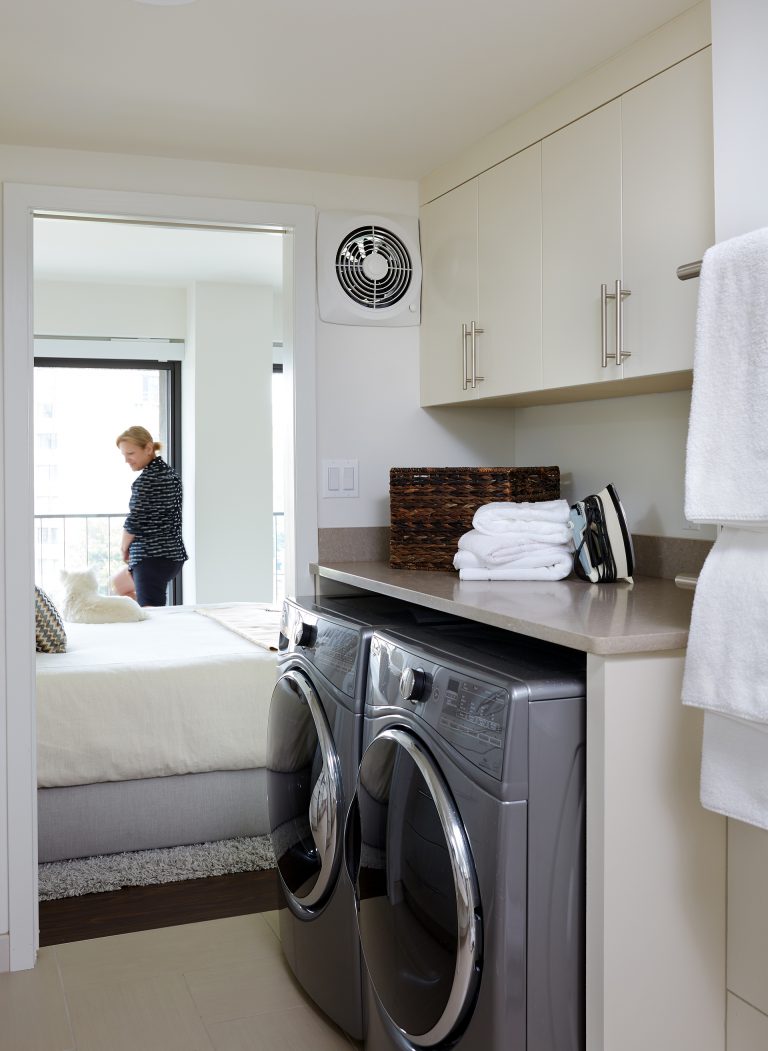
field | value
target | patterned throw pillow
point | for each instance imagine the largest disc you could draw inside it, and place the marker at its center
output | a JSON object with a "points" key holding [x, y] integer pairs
{"points": [[50, 636]]}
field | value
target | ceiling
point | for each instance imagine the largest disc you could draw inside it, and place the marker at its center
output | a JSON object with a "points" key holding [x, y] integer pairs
{"points": [[391, 89], [125, 253]]}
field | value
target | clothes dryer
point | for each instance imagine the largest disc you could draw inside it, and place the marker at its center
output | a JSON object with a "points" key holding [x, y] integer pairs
{"points": [[466, 843], [314, 747]]}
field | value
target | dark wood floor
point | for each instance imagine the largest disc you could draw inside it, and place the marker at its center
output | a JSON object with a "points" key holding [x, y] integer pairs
{"points": [[163, 905]]}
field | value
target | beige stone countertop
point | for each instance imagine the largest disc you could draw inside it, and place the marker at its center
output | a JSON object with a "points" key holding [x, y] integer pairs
{"points": [[649, 615]]}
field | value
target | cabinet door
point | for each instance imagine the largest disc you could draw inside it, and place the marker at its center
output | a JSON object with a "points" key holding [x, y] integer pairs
{"points": [[449, 293], [668, 211], [581, 211], [509, 266]]}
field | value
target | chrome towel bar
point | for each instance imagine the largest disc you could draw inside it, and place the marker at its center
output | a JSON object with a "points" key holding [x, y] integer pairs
{"points": [[689, 270]]}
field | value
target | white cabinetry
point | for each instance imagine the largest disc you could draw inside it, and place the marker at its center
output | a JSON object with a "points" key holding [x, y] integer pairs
{"points": [[667, 212], [628, 196], [509, 260], [449, 293], [624, 194], [481, 251], [581, 191]]}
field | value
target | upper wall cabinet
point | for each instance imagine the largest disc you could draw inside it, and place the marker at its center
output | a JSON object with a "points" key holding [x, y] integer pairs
{"points": [[448, 295], [481, 298], [564, 256], [581, 190], [668, 212]]}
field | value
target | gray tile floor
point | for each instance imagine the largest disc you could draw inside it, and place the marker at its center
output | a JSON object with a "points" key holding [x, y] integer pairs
{"points": [[216, 986]]}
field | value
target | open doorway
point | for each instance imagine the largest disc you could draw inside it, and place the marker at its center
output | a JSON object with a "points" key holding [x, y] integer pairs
{"points": [[21, 204], [190, 323]]}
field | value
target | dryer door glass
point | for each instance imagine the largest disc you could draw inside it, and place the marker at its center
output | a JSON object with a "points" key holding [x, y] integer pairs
{"points": [[303, 790], [419, 907]]}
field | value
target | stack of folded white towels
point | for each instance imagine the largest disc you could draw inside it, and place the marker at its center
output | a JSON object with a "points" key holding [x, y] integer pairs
{"points": [[517, 541]]}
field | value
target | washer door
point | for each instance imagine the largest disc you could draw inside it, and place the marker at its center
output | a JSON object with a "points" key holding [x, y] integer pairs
{"points": [[304, 792], [419, 905]]}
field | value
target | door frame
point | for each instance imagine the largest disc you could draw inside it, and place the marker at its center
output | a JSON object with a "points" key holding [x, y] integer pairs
{"points": [[18, 775]]}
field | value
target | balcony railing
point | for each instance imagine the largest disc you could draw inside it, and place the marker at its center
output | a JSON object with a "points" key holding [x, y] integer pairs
{"points": [[74, 541]]}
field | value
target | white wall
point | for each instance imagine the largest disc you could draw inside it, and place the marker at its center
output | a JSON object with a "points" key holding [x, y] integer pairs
{"points": [[232, 435], [740, 97], [368, 410], [69, 308], [637, 443]]}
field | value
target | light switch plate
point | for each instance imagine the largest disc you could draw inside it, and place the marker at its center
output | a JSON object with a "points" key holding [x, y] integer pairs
{"points": [[340, 479]]}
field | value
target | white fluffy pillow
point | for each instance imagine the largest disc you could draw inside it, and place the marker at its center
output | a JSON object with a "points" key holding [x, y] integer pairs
{"points": [[84, 605]]}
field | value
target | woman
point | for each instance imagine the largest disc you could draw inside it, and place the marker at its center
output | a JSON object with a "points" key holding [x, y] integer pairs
{"points": [[151, 542]]}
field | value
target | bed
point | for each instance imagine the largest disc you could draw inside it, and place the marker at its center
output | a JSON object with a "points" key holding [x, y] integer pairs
{"points": [[153, 734]]}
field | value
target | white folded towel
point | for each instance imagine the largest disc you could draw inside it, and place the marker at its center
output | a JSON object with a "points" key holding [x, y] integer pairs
{"points": [[497, 548], [542, 559], [726, 667], [503, 516], [557, 571], [734, 768], [727, 456]]}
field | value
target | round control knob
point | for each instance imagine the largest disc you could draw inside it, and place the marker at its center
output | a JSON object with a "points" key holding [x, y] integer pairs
{"points": [[303, 634], [412, 683]]}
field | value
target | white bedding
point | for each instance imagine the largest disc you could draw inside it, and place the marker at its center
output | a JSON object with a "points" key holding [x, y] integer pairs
{"points": [[174, 694]]}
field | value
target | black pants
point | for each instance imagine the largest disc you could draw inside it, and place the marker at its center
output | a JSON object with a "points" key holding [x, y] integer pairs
{"points": [[151, 578]]}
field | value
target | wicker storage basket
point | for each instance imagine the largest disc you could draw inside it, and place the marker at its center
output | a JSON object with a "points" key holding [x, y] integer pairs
{"points": [[431, 507]]}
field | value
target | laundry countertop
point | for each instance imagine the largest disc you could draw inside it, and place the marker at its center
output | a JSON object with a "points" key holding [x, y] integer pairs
{"points": [[647, 616]]}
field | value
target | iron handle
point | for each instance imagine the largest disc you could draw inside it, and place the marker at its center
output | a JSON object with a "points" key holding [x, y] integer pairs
{"points": [[474, 331]]}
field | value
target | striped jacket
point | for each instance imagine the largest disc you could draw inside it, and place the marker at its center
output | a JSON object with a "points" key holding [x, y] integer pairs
{"points": [[154, 515]]}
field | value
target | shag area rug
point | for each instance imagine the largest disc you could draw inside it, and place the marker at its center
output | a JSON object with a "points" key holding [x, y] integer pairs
{"points": [[140, 868]]}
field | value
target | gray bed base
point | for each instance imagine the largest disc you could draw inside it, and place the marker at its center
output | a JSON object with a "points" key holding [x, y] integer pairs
{"points": [[106, 818]]}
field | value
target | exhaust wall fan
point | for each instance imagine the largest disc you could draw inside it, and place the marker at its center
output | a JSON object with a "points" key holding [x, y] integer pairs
{"points": [[368, 269]]}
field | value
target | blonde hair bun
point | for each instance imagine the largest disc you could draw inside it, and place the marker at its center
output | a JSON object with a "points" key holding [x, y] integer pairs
{"points": [[138, 436]]}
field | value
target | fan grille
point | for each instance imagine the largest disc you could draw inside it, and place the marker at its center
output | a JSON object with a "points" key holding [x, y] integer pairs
{"points": [[374, 267]]}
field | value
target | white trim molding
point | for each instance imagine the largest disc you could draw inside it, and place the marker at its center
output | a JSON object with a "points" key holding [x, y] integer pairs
{"points": [[18, 787]]}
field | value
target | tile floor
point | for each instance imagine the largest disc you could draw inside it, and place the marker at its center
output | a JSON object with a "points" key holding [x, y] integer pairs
{"points": [[216, 986]]}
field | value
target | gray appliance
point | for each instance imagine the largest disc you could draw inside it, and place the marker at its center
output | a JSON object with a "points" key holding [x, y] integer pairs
{"points": [[314, 746], [466, 842]]}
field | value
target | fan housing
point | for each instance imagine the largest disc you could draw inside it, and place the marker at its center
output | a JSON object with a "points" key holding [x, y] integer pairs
{"points": [[368, 269]]}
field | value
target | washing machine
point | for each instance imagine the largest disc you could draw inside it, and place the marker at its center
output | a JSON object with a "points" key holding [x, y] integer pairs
{"points": [[314, 746], [465, 842]]}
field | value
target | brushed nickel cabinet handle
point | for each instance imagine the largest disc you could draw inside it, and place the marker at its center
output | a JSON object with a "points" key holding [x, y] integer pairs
{"points": [[619, 296], [474, 331], [463, 357]]}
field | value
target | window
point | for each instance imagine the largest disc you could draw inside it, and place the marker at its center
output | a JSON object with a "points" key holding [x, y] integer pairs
{"points": [[82, 486]]}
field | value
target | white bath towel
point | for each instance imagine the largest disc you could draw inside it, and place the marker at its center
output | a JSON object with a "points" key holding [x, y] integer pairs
{"points": [[734, 768], [557, 571], [498, 548], [726, 476], [541, 559], [726, 668], [503, 516]]}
